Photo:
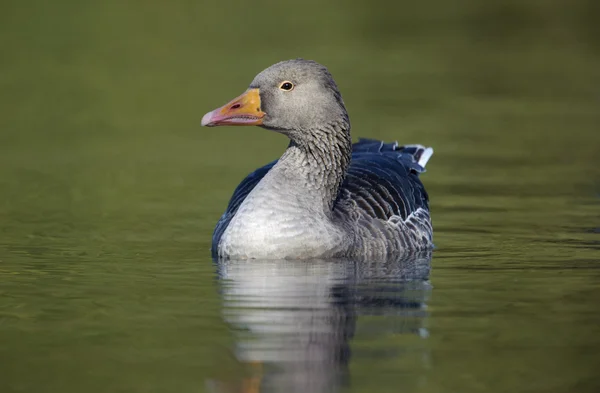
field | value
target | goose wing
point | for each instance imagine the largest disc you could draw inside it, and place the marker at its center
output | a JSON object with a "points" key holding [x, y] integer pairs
{"points": [[383, 180]]}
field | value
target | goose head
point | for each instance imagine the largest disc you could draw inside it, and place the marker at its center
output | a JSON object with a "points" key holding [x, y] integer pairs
{"points": [[292, 97]]}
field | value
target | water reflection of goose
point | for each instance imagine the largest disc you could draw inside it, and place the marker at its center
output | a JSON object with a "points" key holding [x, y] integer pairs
{"points": [[297, 318]]}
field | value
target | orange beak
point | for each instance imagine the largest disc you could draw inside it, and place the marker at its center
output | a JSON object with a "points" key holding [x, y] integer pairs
{"points": [[241, 111]]}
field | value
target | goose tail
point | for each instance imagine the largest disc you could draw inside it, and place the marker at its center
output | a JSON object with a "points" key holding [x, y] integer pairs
{"points": [[420, 154]]}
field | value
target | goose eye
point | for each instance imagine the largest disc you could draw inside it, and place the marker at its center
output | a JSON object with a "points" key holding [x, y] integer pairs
{"points": [[286, 85]]}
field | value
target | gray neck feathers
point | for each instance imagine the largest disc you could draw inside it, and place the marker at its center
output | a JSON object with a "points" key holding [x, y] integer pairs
{"points": [[316, 161]]}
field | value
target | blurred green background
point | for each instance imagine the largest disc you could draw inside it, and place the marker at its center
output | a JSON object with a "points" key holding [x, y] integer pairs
{"points": [[109, 188]]}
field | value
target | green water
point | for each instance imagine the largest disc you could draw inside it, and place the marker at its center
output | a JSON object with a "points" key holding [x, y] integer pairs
{"points": [[109, 191]]}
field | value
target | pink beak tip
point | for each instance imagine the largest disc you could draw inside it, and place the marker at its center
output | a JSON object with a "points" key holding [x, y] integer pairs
{"points": [[207, 119]]}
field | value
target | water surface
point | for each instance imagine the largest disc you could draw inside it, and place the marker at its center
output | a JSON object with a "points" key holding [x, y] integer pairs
{"points": [[109, 191]]}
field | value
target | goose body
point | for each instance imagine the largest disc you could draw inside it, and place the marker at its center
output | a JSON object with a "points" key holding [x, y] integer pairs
{"points": [[325, 197]]}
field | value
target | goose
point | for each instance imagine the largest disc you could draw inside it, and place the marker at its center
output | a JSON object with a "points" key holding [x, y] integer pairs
{"points": [[325, 197]]}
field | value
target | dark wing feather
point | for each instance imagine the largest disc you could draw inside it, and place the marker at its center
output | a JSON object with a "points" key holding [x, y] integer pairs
{"points": [[383, 180]]}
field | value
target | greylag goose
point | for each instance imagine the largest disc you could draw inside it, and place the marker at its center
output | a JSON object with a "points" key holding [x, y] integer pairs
{"points": [[325, 197]]}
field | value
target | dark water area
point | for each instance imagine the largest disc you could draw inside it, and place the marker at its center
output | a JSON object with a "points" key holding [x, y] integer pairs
{"points": [[109, 192]]}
